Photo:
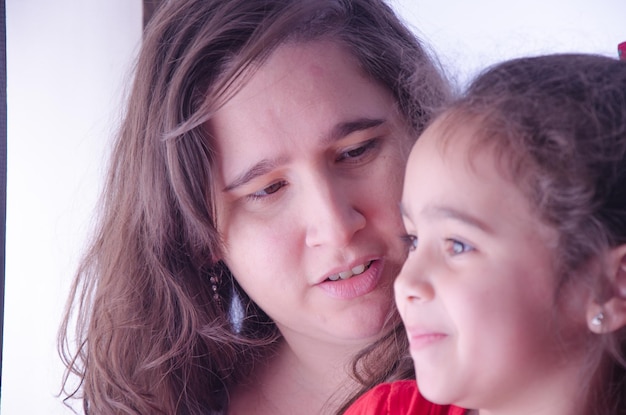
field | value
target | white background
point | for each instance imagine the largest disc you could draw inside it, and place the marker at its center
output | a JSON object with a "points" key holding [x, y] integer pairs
{"points": [[68, 67], [66, 63]]}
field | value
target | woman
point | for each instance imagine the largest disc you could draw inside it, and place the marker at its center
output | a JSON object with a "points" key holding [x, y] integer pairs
{"points": [[248, 242]]}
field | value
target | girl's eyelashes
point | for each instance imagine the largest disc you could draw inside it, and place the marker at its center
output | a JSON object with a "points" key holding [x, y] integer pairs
{"points": [[410, 241], [359, 152], [456, 247], [268, 190], [451, 246]]}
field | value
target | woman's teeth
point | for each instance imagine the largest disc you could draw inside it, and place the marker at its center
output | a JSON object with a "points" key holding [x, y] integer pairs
{"points": [[344, 275]]}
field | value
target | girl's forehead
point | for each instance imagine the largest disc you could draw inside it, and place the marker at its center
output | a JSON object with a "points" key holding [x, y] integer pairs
{"points": [[449, 137], [466, 146]]}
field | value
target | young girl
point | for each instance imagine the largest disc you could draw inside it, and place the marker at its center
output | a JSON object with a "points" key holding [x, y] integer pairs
{"points": [[514, 291], [245, 254]]}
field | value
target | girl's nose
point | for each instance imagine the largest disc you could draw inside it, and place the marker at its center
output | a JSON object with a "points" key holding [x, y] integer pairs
{"points": [[412, 284]]}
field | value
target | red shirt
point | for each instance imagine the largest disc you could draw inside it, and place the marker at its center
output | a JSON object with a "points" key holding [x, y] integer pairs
{"points": [[399, 398]]}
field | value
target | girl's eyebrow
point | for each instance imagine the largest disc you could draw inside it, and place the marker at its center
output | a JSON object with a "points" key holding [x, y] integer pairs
{"points": [[442, 211], [403, 211], [339, 131]]}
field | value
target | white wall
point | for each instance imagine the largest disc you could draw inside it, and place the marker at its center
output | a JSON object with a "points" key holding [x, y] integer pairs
{"points": [[468, 35], [67, 62]]}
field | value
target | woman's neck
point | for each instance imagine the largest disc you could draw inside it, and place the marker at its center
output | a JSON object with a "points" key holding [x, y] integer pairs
{"points": [[303, 380]]}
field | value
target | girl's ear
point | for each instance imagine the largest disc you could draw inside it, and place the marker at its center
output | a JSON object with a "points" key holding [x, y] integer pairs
{"points": [[611, 314]]}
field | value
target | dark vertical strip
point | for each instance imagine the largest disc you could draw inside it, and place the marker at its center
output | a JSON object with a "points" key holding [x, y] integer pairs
{"points": [[3, 167]]}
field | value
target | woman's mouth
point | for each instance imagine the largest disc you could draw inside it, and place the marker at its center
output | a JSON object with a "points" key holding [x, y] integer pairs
{"points": [[357, 270], [343, 286]]}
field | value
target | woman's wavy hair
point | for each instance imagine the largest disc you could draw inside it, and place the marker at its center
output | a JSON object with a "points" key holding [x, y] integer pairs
{"points": [[557, 124], [143, 333]]}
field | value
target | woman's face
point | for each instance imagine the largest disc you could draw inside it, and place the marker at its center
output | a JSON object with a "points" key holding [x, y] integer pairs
{"points": [[309, 174]]}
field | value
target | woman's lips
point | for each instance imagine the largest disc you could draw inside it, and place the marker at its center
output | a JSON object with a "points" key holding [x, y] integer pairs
{"points": [[355, 284], [356, 270]]}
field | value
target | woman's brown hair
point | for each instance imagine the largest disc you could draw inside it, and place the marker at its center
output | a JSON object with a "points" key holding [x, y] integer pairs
{"points": [[149, 310]]}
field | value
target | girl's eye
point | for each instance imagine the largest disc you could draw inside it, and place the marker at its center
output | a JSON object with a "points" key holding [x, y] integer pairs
{"points": [[269, 190], [410, 241], [454, 247], [358, 152]]}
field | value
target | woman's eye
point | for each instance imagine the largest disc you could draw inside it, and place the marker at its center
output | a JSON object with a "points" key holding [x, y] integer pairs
{"points": [[455, 247], [358, 152], [410, 241], [269, 190]]}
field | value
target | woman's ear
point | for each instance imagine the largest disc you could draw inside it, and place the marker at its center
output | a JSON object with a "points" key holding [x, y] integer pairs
{"points": [[610, 315]]}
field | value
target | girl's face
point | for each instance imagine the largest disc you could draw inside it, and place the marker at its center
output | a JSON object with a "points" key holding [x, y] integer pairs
{"points": [[477, 291], [310, 163]]}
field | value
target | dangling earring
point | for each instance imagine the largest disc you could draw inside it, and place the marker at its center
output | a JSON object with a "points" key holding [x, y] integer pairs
{"points": [[597, 320], [215, 280]]}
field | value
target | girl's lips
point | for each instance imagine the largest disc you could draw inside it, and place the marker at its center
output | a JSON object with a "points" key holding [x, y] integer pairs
{"points": [[421, 339], [356, 285]]}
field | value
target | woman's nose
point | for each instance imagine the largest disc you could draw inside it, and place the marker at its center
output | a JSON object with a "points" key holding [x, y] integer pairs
{"points": [[333, 215]]}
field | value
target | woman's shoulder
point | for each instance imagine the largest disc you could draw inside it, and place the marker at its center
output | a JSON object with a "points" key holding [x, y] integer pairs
{"points": [[398, 398]]}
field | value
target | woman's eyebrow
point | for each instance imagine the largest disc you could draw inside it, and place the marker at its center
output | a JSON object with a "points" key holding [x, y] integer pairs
{"points": [[259, 169], [339, 131], [348, 127]]}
